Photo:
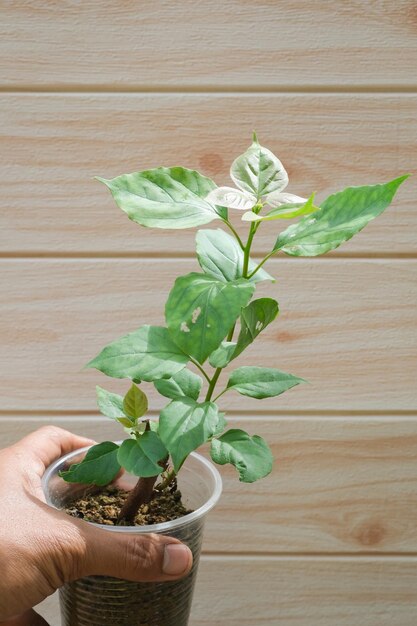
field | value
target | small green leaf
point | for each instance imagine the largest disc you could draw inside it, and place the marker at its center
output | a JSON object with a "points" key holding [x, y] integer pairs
{"points": [[261, 382], [110, 404], [250, 455], [126, 422], [135, 403], [141, 456], [184, 425], [284, 211], [185, 383], [201, 310], [223, 355], [258, 171], [220, 255], [165, 197], [340, 217], [254, 318], [147, 354], [99, 466]]}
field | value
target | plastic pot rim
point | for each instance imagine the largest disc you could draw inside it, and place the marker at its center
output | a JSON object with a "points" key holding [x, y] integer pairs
{"points": [[150, 528]]}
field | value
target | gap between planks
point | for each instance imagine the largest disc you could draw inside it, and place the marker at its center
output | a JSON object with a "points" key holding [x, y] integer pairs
{"points": [[328, 414], [208, 89], [409, 557], [28, 255]]}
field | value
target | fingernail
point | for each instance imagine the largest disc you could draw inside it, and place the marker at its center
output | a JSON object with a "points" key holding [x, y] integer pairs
{"points": [[177, 558]]}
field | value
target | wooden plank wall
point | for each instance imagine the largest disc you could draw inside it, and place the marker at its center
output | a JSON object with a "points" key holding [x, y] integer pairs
{"points": [[103, 88]]}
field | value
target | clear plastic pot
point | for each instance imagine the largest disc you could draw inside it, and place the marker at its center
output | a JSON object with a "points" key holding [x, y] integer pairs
{"points": [[106, 601]]}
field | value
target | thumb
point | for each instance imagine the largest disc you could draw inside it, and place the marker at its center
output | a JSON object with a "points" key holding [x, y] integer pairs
{"points": [[137, 557]]}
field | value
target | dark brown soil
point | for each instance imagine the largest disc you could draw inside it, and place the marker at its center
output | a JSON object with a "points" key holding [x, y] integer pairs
{"points": [[103, 507]]}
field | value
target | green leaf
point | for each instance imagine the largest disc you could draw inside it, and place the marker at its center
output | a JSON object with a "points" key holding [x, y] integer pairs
{"points": [[259, 171], [340, 217], [110, 404], [147, 354], [201, 310], [165, 197], [184, 425], [220, 255], [141, 456], [284, 211], [250, 455], [261, 382], [223, 354], [185, 383], [99, 466], [135, 403], [254, 318]]}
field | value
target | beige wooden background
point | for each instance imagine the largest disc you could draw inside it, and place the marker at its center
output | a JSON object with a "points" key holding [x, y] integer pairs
{"points": [[330, 538]]}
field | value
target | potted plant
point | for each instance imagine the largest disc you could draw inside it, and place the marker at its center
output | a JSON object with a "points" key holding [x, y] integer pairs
{"points": [[154, 480]]}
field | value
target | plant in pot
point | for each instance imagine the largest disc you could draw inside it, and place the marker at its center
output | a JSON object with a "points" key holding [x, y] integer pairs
{"points": [[154, 481]]}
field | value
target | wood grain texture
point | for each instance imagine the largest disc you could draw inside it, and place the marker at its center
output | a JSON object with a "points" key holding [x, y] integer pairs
{"points": [[238, 43], [339, 486], [54, 145], [232, 591], [347, 326]]}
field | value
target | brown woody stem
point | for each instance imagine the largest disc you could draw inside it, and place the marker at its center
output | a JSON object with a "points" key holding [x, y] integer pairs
{"points": [[140, 494]]}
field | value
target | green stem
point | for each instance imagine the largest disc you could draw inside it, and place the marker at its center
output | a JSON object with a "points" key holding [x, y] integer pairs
{"points": [[258, 267], [246, 251], [167, 481], [230, 225], [201, 369], [218, 371]]}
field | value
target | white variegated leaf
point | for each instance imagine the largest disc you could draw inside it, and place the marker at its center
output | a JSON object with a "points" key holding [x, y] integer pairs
{"points": [[231, 198], [277, 199]]}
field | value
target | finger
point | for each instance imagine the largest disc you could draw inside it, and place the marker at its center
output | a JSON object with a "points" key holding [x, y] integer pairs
{"points": [[48, 443], [30, 618], [141, 558]]}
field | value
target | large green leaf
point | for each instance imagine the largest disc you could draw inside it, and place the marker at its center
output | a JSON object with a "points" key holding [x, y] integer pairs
{"points": [[99, 466], [261, 382], [110, 404], [185, 383], [250, 455], [254, 318], [135, 403], [340, 217], [148, 354], [201, 310], [220, 256], [165, 197], [258, 171], [184, 425], [141, 456]]}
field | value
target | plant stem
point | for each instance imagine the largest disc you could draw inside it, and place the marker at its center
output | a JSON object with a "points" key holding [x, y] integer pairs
{"points": [[218, 371], [246, 251], [258, 267], [140, 494], [167, 481], [230, 225], [201, 369]]}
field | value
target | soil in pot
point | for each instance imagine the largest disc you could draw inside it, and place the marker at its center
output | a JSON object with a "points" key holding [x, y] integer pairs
{"points": [[103, 507]]}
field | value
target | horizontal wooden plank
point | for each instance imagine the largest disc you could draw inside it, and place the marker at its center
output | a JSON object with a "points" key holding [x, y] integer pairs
{"points": [[338, 485], [50, 203], [237, 43], [347, 326], [284, 592]]}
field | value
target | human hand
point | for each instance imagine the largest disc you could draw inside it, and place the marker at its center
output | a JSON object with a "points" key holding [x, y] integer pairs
{"points": [[41, 548]]}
